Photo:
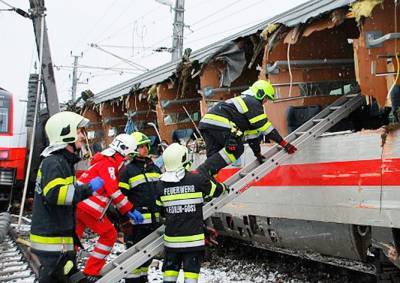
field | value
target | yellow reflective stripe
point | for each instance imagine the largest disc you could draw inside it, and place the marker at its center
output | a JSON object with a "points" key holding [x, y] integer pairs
{"points": [[159, 203], [148, 215], [258, 118], [217, 118], [57, 182], [265, 127], [213, 187], [62, 195], [136, 178], [39, 173], [250, 132], [242, 103], [259, 130], [182, 196], [152, 175], [51, 240], [191, 275], [180, 239], [172, 273], [231, 157], [124, 185]]}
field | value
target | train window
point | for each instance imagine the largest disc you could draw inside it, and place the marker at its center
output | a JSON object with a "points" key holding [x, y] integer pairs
{"points": [[4, 115]]}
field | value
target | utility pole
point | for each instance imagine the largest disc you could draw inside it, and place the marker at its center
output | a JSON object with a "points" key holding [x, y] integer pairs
{"points": [[177, 37], [50, 91], [74, 76]]}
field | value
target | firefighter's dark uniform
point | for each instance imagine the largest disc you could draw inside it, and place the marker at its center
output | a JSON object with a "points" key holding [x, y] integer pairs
{"points": [[184, 232], [138, 182], [219, 129], [53, 217]]}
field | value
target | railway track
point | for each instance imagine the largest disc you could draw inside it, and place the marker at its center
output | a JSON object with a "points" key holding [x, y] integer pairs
{"points": [[17, 264]]}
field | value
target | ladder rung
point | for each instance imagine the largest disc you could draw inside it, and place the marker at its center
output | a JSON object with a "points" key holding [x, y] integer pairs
{"points": [[335, 107], [317, 120], [300, 133], [242, 174], [116, 264]]}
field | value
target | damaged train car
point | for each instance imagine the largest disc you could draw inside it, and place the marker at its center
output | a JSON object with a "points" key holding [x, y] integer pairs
{"points": [[335, 201]]}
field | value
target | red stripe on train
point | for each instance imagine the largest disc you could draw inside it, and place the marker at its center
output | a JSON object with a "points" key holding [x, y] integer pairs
{"points": [[345, 173]]}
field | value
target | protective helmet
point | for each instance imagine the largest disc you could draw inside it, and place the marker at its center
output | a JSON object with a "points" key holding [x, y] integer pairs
{"points": [[262, 89], [61, 128], [124, 144], [176, 158], [141, 138]]}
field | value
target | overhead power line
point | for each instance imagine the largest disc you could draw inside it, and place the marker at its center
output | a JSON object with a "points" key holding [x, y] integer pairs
{"points": [[133, 64]]}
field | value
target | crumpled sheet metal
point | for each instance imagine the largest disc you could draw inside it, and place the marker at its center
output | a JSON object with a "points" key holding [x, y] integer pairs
{"points": [[235, 60]]}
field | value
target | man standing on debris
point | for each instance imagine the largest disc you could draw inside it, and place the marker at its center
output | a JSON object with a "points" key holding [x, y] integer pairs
{"points": [[229, 122], [56, 196], [181, 193], [138, 182], [91, 212]]}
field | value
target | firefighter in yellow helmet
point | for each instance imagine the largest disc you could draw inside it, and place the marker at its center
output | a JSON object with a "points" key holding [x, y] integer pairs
{"points": [[56, 195], [229, 123], [181, 194], [138, 183]]}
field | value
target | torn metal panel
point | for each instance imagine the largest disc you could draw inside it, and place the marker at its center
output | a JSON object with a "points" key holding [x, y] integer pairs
{"points": [[337, 17], [293, 35], [235, 60]]}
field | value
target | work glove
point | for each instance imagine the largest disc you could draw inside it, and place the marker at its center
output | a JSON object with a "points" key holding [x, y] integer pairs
{"points": [[289, 148], [96, 183], [136, 216], [211, 236], [260, 157]]}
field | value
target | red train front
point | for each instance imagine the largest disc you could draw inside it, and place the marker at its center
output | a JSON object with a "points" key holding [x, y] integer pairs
{"points": [[13, 138]]}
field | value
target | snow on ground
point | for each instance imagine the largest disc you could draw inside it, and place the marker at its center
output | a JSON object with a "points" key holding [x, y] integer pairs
{"points": [[233, 264]]}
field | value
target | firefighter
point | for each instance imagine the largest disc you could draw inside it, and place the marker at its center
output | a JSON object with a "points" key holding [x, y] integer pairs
{"points": [[56, 195], [228, 122], [138, 183], [91, 212], [181, 194]]}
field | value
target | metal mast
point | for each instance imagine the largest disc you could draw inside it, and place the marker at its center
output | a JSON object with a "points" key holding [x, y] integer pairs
{"points": [[177, 38], [50, 91]]}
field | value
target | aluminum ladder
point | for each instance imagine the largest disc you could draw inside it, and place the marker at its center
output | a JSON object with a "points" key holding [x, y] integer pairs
{"points": [[237, 183]]}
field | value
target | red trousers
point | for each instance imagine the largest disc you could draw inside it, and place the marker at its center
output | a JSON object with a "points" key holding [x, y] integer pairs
{"points": [[107, 237]]}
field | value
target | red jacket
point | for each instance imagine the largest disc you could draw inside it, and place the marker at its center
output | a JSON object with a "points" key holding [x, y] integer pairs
{"points": [[106, 168]]}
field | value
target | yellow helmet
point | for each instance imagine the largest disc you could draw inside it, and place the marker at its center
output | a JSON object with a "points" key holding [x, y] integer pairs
{"points": [[262, 89], [141, 138], [61, 128]]}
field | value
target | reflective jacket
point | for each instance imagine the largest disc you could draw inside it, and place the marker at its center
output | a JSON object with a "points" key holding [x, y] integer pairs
{"points": [[243, 112], [56, 196], [138, 182], [106, 167], [183, 209]]}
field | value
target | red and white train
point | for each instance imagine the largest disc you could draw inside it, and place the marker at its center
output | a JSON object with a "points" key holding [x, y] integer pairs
{"points": [[13, 142]]}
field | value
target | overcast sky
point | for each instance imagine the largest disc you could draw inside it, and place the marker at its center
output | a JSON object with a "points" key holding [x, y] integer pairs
{"points": [[131, 29]]}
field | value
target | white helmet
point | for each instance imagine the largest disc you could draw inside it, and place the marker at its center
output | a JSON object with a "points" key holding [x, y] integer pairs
{"points": [[176, 158], [124, 144], [61, 128]]}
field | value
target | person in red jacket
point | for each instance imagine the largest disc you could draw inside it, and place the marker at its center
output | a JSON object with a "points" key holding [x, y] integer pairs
{"points": [[91, 212]]}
